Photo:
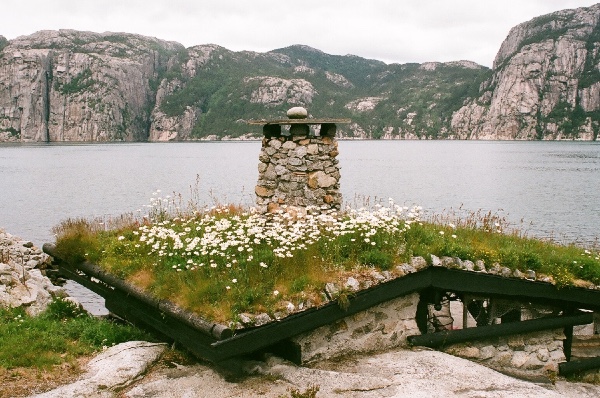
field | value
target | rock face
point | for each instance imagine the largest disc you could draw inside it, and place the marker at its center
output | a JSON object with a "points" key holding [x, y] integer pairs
{"points": [[22, 283], [396, 373], [79, 86], [112, 370], [545, 82]]}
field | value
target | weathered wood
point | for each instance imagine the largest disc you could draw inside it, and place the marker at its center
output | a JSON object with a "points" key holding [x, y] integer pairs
{"points": [[298, 121], [586, 346], [569, 368], [447, 337], [514, 288], [197, 342]]}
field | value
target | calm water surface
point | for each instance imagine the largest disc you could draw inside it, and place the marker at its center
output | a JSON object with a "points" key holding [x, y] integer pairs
{"points": [[553, 186]]}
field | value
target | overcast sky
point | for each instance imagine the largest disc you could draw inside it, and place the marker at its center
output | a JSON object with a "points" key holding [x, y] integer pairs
{"points": [[396, 31]]}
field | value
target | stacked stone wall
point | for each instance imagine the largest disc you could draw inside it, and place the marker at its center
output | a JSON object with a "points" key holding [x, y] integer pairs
{"points": [[381, 327], [533, 355], [524, 355], [298, 171]]}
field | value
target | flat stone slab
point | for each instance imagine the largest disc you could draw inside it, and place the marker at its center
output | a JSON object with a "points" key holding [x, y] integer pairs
{"points": [[399, 373], [299, 121], [113, 369]]}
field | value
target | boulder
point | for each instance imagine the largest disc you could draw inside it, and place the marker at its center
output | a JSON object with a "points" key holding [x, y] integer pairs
{"points": [[297, 112]]}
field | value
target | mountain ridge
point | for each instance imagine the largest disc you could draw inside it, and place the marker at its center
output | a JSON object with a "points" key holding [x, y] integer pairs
{"points": [[69, 85]]}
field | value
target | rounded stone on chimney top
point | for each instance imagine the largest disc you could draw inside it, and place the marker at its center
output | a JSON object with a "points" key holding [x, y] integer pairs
{"points": [[297, 112]]}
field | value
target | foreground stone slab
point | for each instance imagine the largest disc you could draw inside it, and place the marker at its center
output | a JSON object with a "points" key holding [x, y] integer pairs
{"points": [[401, 373], [113, 369]]}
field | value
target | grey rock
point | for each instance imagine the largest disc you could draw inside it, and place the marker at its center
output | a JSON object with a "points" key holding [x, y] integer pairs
{"points": [[352, 284], [6, 279], [531, 274], [518, 274], [300, 152], [262, 319], [405, 268], [331, 290], [5, 269], [275, 144], [526, 80], [435, 261], [378, 276], [246, 319], [289, 145], [495, 269], [418, 262], [112, 370], [480, 266], [297, 112], [448, 261], [468, 265]]}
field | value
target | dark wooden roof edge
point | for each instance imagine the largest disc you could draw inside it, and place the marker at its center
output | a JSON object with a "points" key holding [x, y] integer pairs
{"points": [[448, 337], [246, 341], [440, 278], [212, 329], [298, 121], [313, 318], [580, 365], [523, 289]]}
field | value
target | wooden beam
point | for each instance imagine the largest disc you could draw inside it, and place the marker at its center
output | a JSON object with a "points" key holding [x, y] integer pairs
{"points": [[515, 288], [569, 368], [448, 337], [91, 270]]}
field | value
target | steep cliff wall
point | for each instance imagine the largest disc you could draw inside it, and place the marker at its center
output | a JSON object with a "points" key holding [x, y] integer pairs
{"points": [[80, 86], [545, 83]]}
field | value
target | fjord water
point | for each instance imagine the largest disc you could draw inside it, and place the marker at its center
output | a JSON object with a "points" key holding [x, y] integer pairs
{"points": [[554, 187]]}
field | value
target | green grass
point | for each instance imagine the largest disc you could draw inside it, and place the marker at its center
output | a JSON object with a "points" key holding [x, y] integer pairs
{"points": [[225, 261], [60, 334]]}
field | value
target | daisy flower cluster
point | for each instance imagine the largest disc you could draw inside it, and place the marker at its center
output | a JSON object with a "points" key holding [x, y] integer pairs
{"points": [[217, 238]]}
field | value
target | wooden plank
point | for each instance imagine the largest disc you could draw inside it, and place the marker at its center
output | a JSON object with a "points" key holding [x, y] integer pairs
{"points": [[569, 368], [298, 121], [196, 342], [515, 288], [201, 341], [97, 287], [92, 270], [585, 346], [448, 337]]}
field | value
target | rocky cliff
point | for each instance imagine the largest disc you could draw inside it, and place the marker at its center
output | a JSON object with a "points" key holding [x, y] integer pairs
{"points": [[81, 86], [545, 82]]}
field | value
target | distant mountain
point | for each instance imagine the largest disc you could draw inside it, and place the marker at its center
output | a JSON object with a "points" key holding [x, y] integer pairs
{"points": [[81, 86]]}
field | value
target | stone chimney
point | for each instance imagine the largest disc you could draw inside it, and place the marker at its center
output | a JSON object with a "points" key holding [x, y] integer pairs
{"points": [[298, 168]]}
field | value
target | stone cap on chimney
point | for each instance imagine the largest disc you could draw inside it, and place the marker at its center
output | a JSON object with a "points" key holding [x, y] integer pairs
{"points": [[297, 115]]}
